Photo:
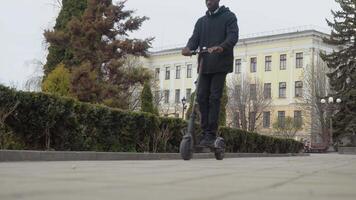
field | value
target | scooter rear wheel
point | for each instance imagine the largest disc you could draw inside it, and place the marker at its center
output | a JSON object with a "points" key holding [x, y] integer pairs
{"points": [[219, 149], [219, 154], [185, 148]]}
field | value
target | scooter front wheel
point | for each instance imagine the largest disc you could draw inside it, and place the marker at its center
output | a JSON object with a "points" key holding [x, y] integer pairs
{"points": [[186, 148]]}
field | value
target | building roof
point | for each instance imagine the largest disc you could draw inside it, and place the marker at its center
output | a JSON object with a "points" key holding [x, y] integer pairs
{"points": [[254, 38]]}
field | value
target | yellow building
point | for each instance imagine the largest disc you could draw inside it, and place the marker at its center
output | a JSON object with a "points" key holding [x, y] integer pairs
{"points": [[278, 61]]}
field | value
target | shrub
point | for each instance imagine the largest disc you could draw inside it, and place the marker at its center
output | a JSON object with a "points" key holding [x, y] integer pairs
{"points": [[58, 81], [7, 139], [44, 121]]}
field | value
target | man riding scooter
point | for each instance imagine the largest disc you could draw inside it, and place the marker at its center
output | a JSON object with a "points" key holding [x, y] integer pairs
{"points": [[219, 32]]}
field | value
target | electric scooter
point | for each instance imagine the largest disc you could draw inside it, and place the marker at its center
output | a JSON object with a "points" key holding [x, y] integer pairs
{"points": [[189, 144]]}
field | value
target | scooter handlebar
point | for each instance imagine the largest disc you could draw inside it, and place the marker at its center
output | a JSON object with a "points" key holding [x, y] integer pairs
{"points": [[201, 51]]}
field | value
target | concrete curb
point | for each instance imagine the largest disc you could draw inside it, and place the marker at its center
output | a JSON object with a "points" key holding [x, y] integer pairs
{"points": [[16, 156], [347, 150]]}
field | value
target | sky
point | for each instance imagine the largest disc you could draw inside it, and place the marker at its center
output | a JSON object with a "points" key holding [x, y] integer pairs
{"points": [[22, 23]]}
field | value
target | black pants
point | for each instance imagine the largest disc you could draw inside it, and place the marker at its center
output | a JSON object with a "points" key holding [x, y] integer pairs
{"points": [[209, 95]]}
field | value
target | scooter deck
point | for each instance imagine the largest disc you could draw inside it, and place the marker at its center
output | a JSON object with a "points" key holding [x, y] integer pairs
{"points": [[205, 149]]}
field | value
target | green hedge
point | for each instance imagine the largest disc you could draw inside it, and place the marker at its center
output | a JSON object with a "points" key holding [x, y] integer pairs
{"points": [[77, 126]]}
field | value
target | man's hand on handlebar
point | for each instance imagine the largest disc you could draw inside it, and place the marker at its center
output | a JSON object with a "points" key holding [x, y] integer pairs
{"points": [[186, 52], [216, 49]]}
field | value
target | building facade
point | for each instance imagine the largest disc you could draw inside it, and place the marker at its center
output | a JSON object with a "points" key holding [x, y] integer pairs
{"points": [[278, 62]]}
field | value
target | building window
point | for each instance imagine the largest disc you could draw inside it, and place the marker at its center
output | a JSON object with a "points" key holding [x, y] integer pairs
{"points": [[178, 72], [168, 73], [266, 119], [166, 96], [267, 92], [177, 99], [268, 63], [283, 62], [298, 89], [188, 94], [281, 119], [157, 71], [238, 66], [298, 121], [189, 71], [253, 65], [253, 94], [282, 90], [299, 60]]}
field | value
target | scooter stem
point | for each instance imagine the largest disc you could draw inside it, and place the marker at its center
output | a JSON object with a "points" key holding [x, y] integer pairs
{"points": [[193, 114]]}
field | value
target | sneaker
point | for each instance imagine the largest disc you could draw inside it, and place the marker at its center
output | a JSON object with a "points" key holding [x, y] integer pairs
{"points": [[208, 140]]}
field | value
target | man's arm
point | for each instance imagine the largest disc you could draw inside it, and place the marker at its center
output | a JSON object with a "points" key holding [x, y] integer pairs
{"points": [[193, 42], [232, 33]]}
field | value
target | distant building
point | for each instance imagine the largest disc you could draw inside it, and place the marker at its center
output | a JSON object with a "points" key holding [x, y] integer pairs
{"points": [[279, 60]]}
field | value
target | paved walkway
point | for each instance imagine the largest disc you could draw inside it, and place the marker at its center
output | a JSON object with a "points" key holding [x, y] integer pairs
{"points": [[316, 177]]}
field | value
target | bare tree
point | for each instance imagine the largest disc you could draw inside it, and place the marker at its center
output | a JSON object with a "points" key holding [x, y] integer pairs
{"points": [[166, 109], [315, 86], [34, 81], [288, 128], [170, 109], [14, 85], [56, 4], [247, 102], [134, 93], [158, 98]]}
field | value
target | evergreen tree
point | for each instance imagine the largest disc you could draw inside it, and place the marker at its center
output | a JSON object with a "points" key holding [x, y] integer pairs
{"points": [[58, 81], [342, 64], [147, 100], [99, 45], [59, 53]]}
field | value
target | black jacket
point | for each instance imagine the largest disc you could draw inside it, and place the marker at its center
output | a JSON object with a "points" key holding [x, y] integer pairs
{"points": [[219, 29]]}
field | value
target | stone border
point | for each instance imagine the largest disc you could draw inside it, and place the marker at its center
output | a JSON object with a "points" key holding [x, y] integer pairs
{"points": [[347, 150], [16, 156]]}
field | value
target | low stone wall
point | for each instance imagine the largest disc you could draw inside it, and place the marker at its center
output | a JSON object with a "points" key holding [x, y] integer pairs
{"points": [[11, 156], [347, 150]]}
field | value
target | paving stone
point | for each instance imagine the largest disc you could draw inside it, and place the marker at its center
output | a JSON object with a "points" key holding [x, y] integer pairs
{"points": [[319, 177]]}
